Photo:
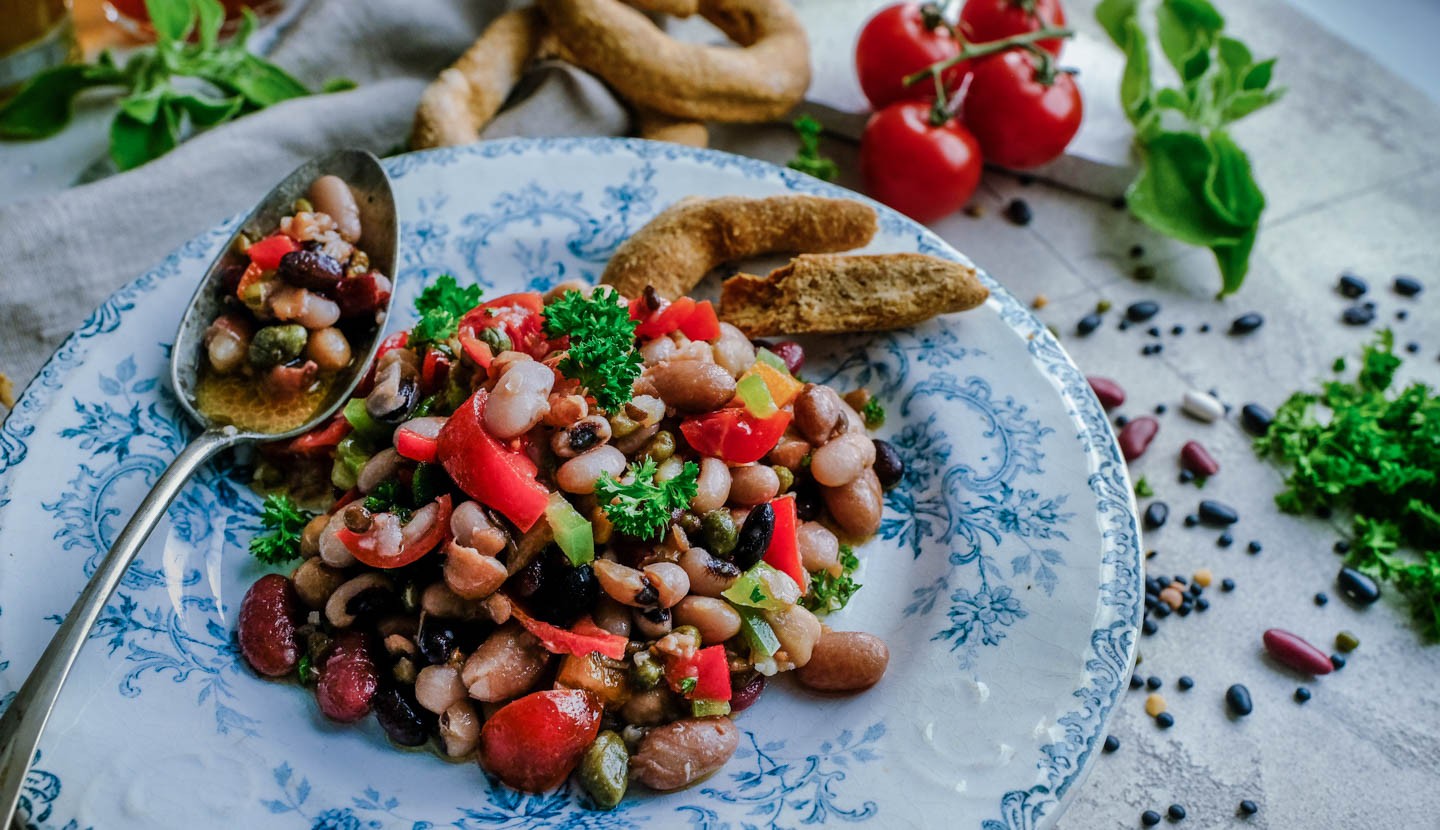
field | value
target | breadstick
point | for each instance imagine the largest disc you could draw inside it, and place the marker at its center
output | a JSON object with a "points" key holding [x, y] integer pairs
{"points": [[677, 248], [828, 293], [660, 127], [461, 101], [759, 82], [674, 8]]}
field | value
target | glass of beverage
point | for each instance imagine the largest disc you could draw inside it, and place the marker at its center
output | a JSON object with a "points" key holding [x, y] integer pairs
{"points": [[131, 15], [34, 35]]}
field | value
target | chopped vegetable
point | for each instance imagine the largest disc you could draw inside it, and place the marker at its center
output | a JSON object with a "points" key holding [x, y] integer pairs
{"points": [[755, 394], [783, 552], [486, 470], [705, 676], [364, 546], [642, 507], [755, 589], [284, 520], [873, 412], [350, 457], [808, 159], [783, 386], [602, 352], [757, 631], [388, 497], [1379, 455], [734, 435], [267, 253], [831, 593], [573, 533], [583, 638], [769, 358], [441, 306], [709, 708]]}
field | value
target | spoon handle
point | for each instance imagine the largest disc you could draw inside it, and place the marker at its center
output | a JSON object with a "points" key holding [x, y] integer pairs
{"points": [[23, 722]]}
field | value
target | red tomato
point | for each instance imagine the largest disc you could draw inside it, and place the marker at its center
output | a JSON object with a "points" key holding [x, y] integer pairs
{"points": [[703, 324], [268, 252], [321, 438], [488, 471], [983, 20], [518, 315], [1018, 121], [734, 435], [533, 743], [895, 43], [362, 545], [921, 170], [783, 554]]}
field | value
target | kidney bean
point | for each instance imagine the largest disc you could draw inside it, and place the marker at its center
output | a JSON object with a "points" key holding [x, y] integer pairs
{"points": [[712, 488], [753, 484], [1136, 436], [845, 661], [311, 270], [347, 679], [818, 410], [678, 754], [269, 614], [798, 631], [361, 294], [1293, 651], [709, 577], [857, 506], [579, 474], [331, 196], [745, 695], [315, 582], [1357, 587], [715, 619], [733, 351], [842, 459], [401, 717], [1198, 460], [438, 687], [470, 573], [520, 399], [819, 549], [791, 352], [459, 729], [1110, 393], [693, 385], [506, 665], [889, 466]]}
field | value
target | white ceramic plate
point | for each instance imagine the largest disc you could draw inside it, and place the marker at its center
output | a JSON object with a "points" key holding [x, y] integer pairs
{"points": [[1006, 577]]}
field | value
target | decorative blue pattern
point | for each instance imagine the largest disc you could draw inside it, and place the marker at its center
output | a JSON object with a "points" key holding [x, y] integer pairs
{"points": [[986, 500]]}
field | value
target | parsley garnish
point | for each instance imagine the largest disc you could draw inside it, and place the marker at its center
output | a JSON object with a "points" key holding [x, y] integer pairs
{"points": [[602, 352], [284, 520], [874, 413], [807, 158], [688, 684], [643, 507], [1378, 454], [440, 306], [389, 497], [1143, 489], [306, 669], [831, 593]]}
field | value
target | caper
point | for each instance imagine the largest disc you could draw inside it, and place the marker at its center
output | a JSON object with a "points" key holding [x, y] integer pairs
{"points": [[605, 769], [302, 205], [661, 447], [691, 523], [274, 345], [718, 530], [622, 425], [787, 478], [241, 243], [496, 339], [646, 671]]}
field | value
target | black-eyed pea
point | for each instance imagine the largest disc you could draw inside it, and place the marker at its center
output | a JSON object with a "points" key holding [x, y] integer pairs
{"points": [[670, 582]]}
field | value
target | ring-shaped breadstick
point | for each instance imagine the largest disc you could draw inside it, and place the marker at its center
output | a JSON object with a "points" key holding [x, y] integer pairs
{"points": [[760, 81], [657, 126], [674, 8], [677, 248], [462, 99]]}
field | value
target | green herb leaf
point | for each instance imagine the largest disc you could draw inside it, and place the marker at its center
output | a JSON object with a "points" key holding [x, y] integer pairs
{"points": [[337, 85], [284, 522], [209, 18], [1113, 15], [1135, 92], [1171, 193], [808, 158], [828, 593], [440, 306], [205, 111], [171, 19], [873, 412], [602, 353], [687, 685], [133, 142], [642, 507], [43, 106], [1143, 489], [390, 497]]}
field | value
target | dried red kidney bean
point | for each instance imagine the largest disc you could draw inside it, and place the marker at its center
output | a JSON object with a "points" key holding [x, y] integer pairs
{"points": [[1135, 438], [745, 695], [361, 294], [1107, 390], [1198, 460], [791, 352], [269, 614], [1294, 652], [348, 679]]}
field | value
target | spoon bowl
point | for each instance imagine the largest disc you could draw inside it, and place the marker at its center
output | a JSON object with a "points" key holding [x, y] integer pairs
{"points": [[24, 721]]}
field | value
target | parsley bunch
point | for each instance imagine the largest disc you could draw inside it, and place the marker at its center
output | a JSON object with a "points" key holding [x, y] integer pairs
{"points": [[1378, 454], [808, 159], [643, 507], [831, 593], [284, 520], [602, 352], [440, 306], [230, 82]]}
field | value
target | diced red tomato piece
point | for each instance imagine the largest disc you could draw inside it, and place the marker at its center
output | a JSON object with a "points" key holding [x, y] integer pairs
{"points": [[533, 743], [784, 550], [268, 252], [734, 435], [476, 349], [665, 319], [708, 668], [702, 324], [518, 315], [414, 446], [320, 439], [486, 470], [583, 638], [362, 545], [434, 370]]}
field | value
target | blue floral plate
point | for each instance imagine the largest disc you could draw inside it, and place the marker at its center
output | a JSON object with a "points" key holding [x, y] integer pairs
{"points": [[1006, 576]]}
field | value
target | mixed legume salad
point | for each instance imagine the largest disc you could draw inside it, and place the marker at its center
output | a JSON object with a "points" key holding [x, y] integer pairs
{"points": [[575, 533]]}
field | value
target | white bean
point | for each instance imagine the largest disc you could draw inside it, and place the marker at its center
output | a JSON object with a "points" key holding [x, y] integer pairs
{"points": [[305, 307], [712, 487], [579, 474], [437, 687], [658, 350], [333, 552], [733, 351], [819, 549], [520, 399], [1202, 406], [473, 528], [381, 467], [715, 619], [459, 729], [753, 484], [329, 349], [842, 459], [227, 342], [332, 196]]}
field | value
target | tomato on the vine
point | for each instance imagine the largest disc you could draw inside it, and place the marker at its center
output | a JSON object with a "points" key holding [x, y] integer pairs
{"points": [[1020, 121], [900, 40], [982, 20], [922, 170]]}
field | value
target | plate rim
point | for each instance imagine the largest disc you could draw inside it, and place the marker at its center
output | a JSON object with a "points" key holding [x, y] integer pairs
{"points": [[1117, 622]]}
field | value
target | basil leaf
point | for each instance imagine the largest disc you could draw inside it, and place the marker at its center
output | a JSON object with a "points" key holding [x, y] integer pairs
{"points": [[43, 106], [171, 19], [1230, 187], [1171, 193], [144, 107], [259, 81], [1258, 77], [205, 111], [210, 16], [337, 85], [1113, 15], [1243, 103], [133, 143], [1135, 81], [1234, 262]]}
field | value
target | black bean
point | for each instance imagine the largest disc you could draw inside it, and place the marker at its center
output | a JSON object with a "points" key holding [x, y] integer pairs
{"points": [[1412, 347], [1352, 286], [1237, 697], [1153, 331], [1337, 661], [1019, 212], [565, 591], [1321, 599], [1176, 812], [404, 720], [1137, 251], [1246, 323], [1256, 418], [1185, 608], [1357, 315], [1142, 311], [1149, 818], [1152, 682], [808, 504], [1136, 682], [1357, 587], [1164, 720], [1162, 611], [1149, 627], [1112, 743], [1186, 682], [889, 466], [1161, 409], [372, 603], [1204, 328], [1227, 584], [1187, 476], [436, 641], [1225, 540], [1254, 546], [1402, 314], [754, 537], [1202, 605], [1156, 514], [1217, 514], [1248, 808], [1177, 330], [1088, 324], [1302, 694], [1407, 286], [310, 269], [1191, 520], [1123, 325]]}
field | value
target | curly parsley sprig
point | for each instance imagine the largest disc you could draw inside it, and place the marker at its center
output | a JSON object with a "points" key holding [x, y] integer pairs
{"points": [[642, 507], [602, 353], [440, 306], [831, 593], [285, 521]]}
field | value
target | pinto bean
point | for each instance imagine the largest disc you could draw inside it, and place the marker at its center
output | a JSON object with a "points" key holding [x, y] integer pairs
{"points": [[315, 581], [506, 665], [438, 687], [670, 582], [712, 488], [331, 196], [678, 754], [841, 459], [819, 549], [579, 474], [520, 399], [693, 385], [856, 507], [798, 630], [470, 573], [438, 600], [329, 348], [753, 484], [613, 617], [845, 661], [715, 619], [459, 729], [310, 535], [790, 453], [818, 410], [649, 707], [302, 306], [733, 351], [709, 577]]}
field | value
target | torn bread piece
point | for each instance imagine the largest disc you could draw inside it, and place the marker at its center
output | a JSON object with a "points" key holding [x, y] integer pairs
{"points": [[830, 294], [677, 248]]}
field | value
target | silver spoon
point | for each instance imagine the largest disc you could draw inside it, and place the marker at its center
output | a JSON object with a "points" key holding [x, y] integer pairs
{"points": [[24, 721]]}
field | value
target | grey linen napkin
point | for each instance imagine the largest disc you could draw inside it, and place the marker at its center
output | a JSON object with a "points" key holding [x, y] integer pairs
{"points": [[61, 256]]}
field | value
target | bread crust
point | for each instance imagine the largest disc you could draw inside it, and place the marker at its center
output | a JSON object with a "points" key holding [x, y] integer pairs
{"points": [[677, 248], [832, 294]]}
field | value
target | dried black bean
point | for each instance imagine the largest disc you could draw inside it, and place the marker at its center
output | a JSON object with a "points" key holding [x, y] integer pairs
{"points": [[1357, 315], [1217, 514], [436, 641], [1176, 812], [889, 466], [1149, 818], [1164, 720], [1357, 587], [1186, 683], [404, 720], [310, 269], [754, 536], [1302, 694], [565, 591], [1088, 324], [1352, 286], [1407, 286], [1112, 743], [1141, 311], [1246, 323], [1256, 418], [1156, 514], [1237, 697], [1321, 599], [1019, 212], [371, 603], [1149, 627], [1337, 661], [1227, 584]]}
